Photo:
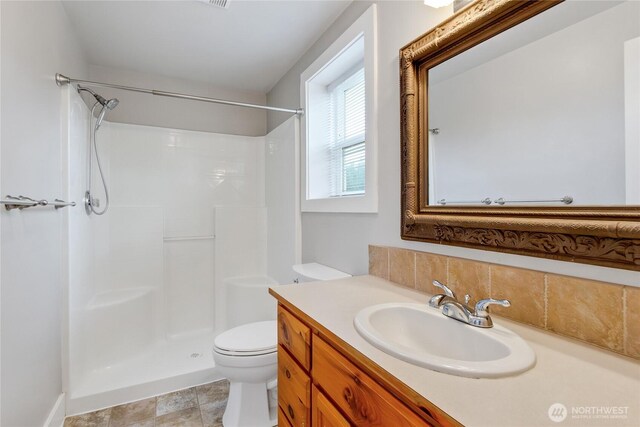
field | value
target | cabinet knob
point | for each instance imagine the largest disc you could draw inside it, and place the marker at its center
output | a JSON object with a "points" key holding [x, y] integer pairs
{"points": [[348, 395], [290, 410], [287, 373]]}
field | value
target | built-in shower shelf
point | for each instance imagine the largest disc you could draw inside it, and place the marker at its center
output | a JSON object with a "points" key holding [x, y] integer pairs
{"points": [[177, 239]]}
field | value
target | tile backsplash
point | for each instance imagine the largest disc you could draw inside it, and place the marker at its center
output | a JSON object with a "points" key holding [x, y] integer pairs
{"points": [[603, 314]]}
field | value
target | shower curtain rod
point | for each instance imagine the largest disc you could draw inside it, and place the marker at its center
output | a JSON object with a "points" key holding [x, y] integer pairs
{"points": [[62, 80]]}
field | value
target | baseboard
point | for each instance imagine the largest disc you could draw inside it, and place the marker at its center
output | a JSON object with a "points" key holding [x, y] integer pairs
{"points": [[56, 416]]}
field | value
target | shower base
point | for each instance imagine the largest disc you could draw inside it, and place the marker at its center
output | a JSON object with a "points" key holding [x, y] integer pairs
{"points": [[170, 365]]}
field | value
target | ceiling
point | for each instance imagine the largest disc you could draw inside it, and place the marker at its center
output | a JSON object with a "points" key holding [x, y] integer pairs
{"points": [[248, 46]]}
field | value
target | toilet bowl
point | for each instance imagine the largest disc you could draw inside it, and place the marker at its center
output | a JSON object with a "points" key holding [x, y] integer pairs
{"points": [[247, 356]]}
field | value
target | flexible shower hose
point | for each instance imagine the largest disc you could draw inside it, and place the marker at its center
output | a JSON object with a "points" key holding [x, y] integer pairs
{"points": [[93, 147]]}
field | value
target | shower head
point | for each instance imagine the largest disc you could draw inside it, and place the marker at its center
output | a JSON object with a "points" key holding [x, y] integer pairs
{"points": [[109, 103], [112, 103]]}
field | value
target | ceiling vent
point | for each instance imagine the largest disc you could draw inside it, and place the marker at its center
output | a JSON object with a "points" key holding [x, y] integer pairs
{"points": [[224, 4]]}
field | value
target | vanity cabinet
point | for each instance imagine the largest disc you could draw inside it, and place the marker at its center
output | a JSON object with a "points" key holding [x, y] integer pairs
{"points": [[321, 385]]}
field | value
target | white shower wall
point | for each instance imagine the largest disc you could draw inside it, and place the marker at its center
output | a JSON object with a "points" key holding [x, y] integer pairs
{"points": [[146, 280], [282, 197]]}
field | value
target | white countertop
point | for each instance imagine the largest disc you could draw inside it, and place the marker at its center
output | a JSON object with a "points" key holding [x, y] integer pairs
{"points": [[581, 377]]}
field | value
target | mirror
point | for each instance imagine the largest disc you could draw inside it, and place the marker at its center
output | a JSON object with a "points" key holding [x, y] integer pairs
{"points": [[545, 113], [519, 130]]}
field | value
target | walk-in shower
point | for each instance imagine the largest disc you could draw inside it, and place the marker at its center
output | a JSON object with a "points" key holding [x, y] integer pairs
{"points": [[195, 219], [92, 203]]}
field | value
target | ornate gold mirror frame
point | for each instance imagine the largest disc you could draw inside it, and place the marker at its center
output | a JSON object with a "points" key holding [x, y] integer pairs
{"points": [[608, 236]]}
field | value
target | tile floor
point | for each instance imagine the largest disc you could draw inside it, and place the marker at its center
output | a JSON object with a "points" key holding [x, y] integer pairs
{"points": [[200, 406]]}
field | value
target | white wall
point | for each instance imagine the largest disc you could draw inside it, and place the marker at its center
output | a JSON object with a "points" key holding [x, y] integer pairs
{"points": [[631, 122], [144, 109], [36, 43], [543, 139], [340, 240]]}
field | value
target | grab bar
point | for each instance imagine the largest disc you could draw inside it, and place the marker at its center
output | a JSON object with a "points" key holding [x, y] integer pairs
{"points": [[182, 238], [57, 203], [22, 202], [567, 200], [485, 201]]}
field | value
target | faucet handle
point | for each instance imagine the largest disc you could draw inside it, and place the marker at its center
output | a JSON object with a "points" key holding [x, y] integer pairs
{"points": [[482, 306], [448, 292], [467, 298]]}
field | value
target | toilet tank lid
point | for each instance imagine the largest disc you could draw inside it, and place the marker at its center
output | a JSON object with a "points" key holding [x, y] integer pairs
{"points": [[315, 271], [251, 337]]}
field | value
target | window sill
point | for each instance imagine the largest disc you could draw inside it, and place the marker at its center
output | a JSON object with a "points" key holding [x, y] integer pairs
{"points": [[346, 204]]}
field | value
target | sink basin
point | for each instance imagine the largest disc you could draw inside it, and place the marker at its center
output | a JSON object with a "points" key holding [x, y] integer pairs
{"points": [[423, 336]]}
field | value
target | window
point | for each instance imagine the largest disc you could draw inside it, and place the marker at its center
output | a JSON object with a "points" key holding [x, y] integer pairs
{"points": [[339, 174]]}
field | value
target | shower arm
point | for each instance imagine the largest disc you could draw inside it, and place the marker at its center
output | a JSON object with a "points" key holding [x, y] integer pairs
{"points": [[62, 80]]}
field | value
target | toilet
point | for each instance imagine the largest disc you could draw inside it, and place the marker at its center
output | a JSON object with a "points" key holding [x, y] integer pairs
{"points": [[247, 354]]}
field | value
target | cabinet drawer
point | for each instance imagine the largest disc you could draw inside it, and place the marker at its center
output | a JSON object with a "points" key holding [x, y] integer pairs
{"points": [[294, 390], [324, 413], [295, 336], [363, 400]]}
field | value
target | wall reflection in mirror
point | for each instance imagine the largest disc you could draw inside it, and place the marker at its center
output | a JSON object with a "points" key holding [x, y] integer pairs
{"points": [[544, 114]]}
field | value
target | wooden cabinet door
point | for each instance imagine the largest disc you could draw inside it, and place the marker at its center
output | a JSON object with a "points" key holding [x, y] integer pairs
{"points": [[282, 419], [364, 401], [324, 413]]}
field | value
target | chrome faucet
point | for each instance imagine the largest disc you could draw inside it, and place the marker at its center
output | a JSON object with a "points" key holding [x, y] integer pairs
{"points": [[437, 300], [451, 307]]}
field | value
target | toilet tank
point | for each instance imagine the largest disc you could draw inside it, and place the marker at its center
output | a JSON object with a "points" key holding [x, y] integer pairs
{"points": [[314, 272], [248, 300]]}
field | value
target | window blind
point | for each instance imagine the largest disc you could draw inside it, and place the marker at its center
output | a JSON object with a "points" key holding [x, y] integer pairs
{"points": [[353, 168], [346, 145]]}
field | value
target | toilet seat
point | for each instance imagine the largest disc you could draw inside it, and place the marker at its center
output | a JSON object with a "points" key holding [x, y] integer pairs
{"points": [[244, 353], [253, 339]]}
